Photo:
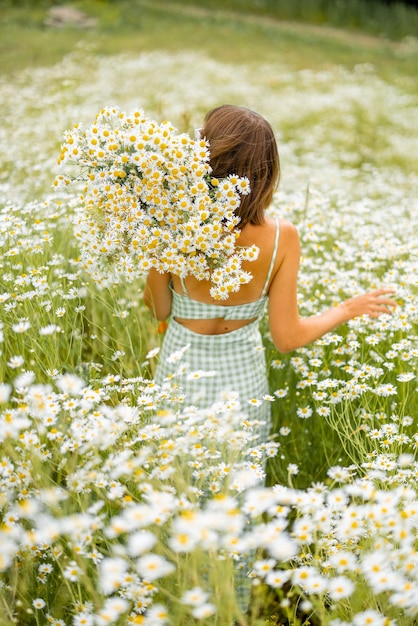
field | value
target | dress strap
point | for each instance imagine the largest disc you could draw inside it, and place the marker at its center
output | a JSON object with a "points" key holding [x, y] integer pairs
{"points": [[183, 286], [273, 258]]}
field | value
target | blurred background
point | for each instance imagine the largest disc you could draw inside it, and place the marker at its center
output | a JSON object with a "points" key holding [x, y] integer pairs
{"points": [[41, 32]]}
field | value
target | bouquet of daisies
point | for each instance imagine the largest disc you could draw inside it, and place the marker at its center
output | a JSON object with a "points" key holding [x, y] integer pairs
{"points": [[149, 201]]}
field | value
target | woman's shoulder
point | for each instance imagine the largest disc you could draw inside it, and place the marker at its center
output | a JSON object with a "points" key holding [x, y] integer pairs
{"points": [[288, 232]]}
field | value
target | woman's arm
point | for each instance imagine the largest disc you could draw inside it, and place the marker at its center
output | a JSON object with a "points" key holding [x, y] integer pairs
{"points": [[288, 330], [157, 294]]}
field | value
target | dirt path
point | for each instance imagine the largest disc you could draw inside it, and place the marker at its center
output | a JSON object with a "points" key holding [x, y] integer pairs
{"points": [[349, 37]]}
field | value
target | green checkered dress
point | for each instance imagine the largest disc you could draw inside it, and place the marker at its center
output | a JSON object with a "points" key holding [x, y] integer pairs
{"points": [[219, 364]]}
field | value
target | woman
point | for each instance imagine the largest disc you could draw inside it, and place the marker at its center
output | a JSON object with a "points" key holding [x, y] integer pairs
{"points": [[224, 339]]}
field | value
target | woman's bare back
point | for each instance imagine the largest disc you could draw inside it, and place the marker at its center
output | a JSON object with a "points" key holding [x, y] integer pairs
{"points": [[263, 236]]}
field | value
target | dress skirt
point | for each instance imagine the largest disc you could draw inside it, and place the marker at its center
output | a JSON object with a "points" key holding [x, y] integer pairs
{"points": [[213, 366]]}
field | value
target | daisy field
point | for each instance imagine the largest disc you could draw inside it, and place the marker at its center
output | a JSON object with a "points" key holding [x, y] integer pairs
{"points": [[120, 502]]}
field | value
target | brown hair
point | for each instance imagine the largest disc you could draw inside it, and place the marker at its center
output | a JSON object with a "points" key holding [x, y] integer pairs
{"points": [[242, 142]]}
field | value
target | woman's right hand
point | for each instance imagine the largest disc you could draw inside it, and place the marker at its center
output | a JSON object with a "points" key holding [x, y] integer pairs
{"points": [[373, 303]]}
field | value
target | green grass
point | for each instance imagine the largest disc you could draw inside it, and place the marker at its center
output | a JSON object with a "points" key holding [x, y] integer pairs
{"points": [[395, 20], [140, 25]]}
